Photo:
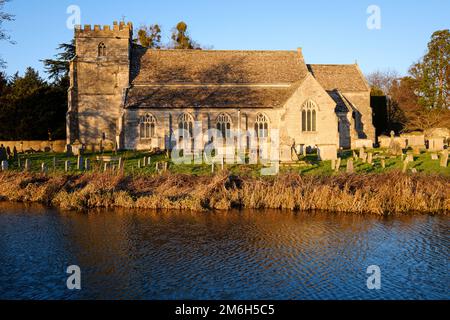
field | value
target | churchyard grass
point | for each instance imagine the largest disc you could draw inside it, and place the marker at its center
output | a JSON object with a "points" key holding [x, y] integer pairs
{"points": [[308, 165]]}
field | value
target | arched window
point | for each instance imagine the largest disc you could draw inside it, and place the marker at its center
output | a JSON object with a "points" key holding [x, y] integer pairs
{"points": [[147, 125], [224, 125], [101, 50], [262, 126], [185, 126], [309, 116]]}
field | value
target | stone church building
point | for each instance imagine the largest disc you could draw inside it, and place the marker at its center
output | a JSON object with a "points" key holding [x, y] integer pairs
{"points": [[137, 98]]}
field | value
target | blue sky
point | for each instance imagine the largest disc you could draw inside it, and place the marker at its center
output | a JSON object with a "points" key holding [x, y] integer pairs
{"points": [[328, 31]]}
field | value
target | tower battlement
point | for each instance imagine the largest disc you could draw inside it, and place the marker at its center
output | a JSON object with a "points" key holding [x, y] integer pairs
{"points": [[117, 29]]}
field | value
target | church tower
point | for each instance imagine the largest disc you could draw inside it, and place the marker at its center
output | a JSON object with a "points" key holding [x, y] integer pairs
{"points": [[99, 76]]}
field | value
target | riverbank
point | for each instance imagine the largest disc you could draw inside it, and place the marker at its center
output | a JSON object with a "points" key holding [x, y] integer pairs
{"points": [[386, 193]]}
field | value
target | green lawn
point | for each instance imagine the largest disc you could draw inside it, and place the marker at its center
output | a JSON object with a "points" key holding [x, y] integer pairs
{"points": [[307, 165]]}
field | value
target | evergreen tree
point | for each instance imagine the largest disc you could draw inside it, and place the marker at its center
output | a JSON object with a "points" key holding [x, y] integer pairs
{"points": [[432, 73], [58, 68]]}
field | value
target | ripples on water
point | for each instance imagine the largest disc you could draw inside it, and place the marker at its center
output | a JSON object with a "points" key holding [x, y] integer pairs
{"points": [[127, 254]]}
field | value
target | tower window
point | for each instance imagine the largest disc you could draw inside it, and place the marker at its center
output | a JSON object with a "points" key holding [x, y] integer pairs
{"points": [[101, 50]]}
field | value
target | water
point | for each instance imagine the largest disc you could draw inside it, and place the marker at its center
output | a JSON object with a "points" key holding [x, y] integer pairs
{"points": [[126, 254]]}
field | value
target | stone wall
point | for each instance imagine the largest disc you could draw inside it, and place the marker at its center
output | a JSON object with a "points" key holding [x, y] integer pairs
{"points": [[45, 145]]}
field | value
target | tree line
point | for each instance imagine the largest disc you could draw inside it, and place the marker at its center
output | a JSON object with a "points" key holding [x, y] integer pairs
{"points": [[421, 99]]}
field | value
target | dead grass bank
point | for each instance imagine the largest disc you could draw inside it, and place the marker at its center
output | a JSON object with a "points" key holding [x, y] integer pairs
{"points": [[389, 193]]}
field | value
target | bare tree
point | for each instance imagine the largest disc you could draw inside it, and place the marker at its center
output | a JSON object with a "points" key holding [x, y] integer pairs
{"points": [[4, 17]]}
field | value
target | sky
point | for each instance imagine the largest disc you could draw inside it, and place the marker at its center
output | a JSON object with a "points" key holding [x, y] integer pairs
{"points": [[329, 32]]}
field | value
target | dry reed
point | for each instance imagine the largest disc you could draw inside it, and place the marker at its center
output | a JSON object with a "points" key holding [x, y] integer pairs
{"points": [[388, 193]]}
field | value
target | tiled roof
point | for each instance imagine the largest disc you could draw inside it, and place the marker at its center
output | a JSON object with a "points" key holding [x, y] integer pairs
{"points": [[216, 66], [346, 78], [208, 96]]}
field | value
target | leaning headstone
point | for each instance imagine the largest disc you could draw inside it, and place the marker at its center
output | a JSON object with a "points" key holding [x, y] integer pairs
{"points": [[4, 165], [87, 165], [144, 161], [139, 164], [444, 158], [383, 163], [405, 166], [120, 166], [44, 168], [27, 165], [66, 165], [105, 167], [350, 168]]}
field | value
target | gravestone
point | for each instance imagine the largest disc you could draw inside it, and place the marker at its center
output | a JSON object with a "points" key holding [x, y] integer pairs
{"points": [[409, 157], [87, 165], [333, 164], [139, 164], [383, 163], [44, 168], [105, 166], [416, 150], [66, 165], [149, 161], [4, 165], [350, 168], [370, 158], [364, 157], [434, 156], [338, 164], [405, 166], [144, 161], [120, 163], [27, 165], [414, 170], [80, 163], [444, 158], [361, 154]]}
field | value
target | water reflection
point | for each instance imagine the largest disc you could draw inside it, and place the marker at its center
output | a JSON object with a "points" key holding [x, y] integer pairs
{"points": [[126, 254]]}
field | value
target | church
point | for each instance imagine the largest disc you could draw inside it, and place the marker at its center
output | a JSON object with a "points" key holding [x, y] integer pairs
{"points": [[137, 98]]}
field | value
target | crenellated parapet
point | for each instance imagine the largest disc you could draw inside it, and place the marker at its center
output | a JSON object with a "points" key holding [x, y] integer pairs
{"points": [[117, 29]]}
